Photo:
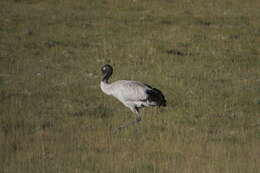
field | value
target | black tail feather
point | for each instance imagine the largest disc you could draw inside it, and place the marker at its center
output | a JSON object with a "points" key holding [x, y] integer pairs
{"points": [[156, 96]]}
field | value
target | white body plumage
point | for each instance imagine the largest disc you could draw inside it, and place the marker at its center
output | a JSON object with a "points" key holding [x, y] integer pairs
{"points": [[130, 93]]}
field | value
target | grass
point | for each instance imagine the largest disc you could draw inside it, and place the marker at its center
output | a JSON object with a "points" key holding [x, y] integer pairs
{"points": [[203, 55]]}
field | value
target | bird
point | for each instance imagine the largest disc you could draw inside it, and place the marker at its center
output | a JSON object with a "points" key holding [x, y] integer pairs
{"points": [[133, 94]]}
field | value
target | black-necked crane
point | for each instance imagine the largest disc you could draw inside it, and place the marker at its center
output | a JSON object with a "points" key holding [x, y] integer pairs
{"points": [[132, 94]]}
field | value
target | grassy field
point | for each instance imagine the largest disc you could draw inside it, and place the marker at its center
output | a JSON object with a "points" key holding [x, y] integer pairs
{"points": [[204, 55]]}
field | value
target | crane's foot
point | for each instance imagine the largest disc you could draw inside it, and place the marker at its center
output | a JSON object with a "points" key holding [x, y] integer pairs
{"points": [[138, 119]]}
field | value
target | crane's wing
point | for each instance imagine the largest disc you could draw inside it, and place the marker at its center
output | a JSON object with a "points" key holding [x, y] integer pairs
{"points": [[126, 90]]}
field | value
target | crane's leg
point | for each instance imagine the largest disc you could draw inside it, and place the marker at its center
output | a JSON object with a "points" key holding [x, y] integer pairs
{"points": [[138, 118]]}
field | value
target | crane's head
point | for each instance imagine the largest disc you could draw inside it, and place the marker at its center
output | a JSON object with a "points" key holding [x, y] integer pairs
{"points": [[107, 70]]}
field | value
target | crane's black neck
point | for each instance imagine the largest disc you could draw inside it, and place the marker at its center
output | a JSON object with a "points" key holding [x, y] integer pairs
{"points": [[107, 76]]}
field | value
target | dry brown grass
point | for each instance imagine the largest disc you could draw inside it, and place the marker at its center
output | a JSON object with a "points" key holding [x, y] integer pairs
{"points": [[203, 55]]}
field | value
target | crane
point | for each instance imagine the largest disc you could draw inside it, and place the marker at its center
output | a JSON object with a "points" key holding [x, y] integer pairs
{"points": [[132, 94]]}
